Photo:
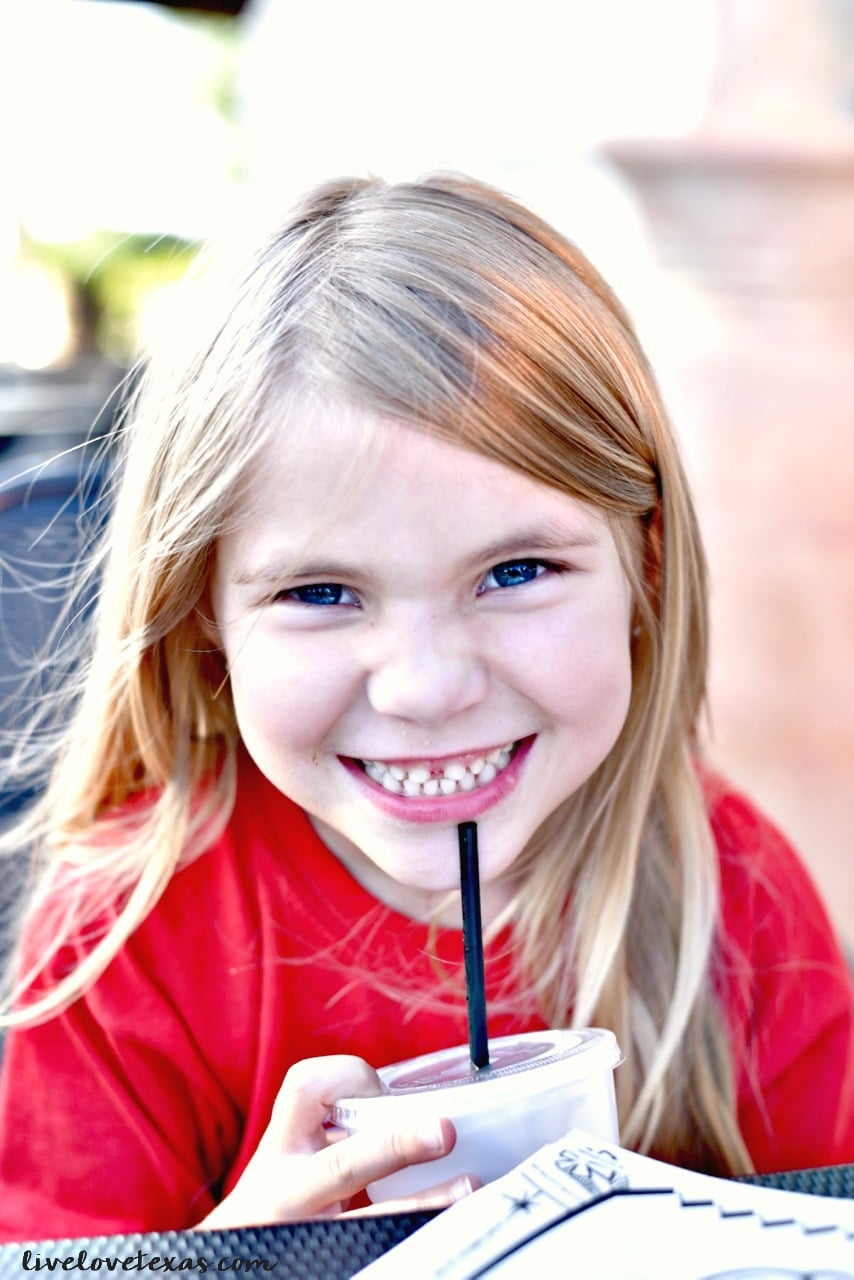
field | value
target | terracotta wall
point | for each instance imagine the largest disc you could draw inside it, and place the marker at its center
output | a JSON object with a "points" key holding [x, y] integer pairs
{"points": [[754, 340]]}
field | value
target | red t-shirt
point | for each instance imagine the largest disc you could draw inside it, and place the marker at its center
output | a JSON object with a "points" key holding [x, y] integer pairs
{"points": [[140, 1105]]}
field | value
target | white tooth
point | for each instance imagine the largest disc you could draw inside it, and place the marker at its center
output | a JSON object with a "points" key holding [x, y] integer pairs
{"points": [[447, 786], [476, 766], [411, 788], [503, 759], [455, 771], [373, 770], [431, 787], [494, 755], [468, 782], [396, 772], [419, 774], [487, 773], [391, 784]]}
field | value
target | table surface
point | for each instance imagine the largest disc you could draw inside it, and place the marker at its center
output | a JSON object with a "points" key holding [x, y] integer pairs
{"points": [[322, 1249]]}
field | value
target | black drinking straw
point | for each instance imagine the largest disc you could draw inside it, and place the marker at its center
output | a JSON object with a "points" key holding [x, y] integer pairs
{"points": [[473, 945]]}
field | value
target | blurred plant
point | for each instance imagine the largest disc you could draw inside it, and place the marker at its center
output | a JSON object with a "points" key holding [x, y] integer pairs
{"points": [[115, 283], [106, 267]]}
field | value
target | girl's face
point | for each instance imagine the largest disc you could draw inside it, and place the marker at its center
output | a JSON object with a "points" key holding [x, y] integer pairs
{"points": [[445, 640]]}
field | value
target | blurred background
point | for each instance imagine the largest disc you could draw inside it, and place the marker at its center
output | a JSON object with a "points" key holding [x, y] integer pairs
{"points": [[701, 154]]}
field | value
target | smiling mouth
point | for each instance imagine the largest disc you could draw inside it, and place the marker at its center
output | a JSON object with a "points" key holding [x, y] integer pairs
{"points": [[440, 778]]}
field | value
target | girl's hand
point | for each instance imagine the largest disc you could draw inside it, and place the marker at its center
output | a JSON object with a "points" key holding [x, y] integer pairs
{"points": [[302, 1169]]}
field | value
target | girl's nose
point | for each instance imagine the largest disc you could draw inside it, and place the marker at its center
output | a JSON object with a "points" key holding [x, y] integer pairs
{"points": [[420, 680]]}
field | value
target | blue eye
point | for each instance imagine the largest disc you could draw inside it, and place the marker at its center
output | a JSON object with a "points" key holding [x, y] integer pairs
{"points": [[513, 573], [319, 593]]}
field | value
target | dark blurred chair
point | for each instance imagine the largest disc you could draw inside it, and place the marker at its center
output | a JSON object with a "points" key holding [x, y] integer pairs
{"points": [[50, 511]]}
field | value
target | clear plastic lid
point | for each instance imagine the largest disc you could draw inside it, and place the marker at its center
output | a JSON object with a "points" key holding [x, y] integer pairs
{"points": [[533, 1062]]}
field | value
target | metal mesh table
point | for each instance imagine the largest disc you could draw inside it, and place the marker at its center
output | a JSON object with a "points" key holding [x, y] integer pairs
{"points": [[325, 1249]]}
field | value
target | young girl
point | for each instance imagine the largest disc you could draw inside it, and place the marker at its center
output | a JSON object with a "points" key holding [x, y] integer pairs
{"points": [[405, 541]]}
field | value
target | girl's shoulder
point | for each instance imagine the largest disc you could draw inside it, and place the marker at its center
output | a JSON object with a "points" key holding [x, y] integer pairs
{"points": [[773, 917], [786, 987], [754, 855]]}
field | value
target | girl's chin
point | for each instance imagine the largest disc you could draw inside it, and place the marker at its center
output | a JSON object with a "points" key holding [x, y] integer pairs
{"points": [[416, 876]]}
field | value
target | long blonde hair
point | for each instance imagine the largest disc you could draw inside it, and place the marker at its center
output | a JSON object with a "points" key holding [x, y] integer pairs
{"points": [[445, 304]]}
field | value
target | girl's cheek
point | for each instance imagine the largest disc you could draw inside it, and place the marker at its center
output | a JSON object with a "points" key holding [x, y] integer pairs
{"points": [[293, 696], [581, 665]]}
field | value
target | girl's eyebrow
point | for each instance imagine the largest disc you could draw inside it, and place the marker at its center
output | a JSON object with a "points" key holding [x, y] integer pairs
{"points": [[550, 535], [289, 566]]}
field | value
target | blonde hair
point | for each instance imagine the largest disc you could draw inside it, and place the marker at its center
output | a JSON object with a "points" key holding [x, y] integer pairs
{"points": [[445, 304]]}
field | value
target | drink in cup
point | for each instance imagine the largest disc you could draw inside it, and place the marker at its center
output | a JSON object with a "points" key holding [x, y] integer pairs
{"points": [[537, 1086]]}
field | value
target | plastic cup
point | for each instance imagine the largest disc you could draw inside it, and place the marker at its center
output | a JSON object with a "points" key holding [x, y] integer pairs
{"points": [[537, 1087]]}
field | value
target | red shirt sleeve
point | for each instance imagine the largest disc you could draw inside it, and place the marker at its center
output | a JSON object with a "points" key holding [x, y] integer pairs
{"points": [[789, 998], [110, 1141], [116, 1114]]}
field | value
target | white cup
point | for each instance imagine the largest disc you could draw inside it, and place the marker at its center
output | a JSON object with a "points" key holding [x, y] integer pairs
{"points": [[537, 1087]]}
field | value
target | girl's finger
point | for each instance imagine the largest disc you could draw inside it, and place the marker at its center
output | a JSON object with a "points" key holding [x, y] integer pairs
{"points": [[343, 1169], [308, 1093], [438, 1197]]}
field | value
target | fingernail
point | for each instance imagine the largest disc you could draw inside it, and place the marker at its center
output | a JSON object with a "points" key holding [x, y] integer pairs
{"points": [[460, 1188], [436, 1139]]}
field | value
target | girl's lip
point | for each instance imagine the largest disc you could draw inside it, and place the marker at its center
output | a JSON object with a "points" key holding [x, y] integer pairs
{"points": [[461, 807]]}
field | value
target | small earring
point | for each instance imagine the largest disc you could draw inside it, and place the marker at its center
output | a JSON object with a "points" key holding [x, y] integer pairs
{"points": [[636, 630]]}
